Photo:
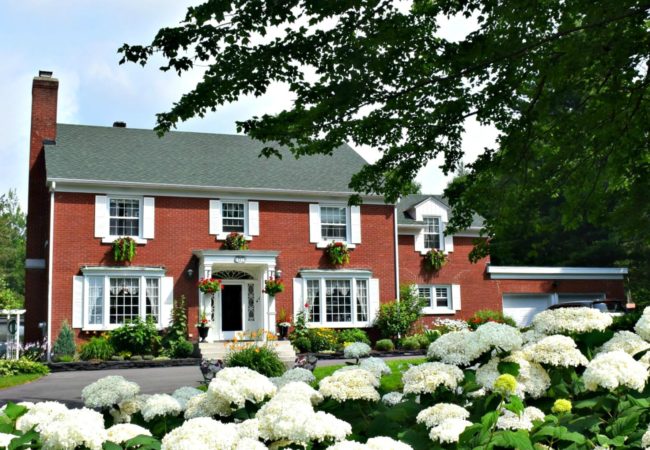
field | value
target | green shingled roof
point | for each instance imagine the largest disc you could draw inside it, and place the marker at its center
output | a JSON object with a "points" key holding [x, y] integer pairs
{"points": [[191, 159], [409, 201]]}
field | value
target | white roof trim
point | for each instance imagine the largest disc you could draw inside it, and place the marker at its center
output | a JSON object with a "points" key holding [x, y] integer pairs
{"points": [[556, 273], [240, 257], [345, 273], [182, 190]]}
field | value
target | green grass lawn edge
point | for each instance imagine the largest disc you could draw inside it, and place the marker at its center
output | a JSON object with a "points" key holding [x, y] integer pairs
{"points": [[16, 380]]}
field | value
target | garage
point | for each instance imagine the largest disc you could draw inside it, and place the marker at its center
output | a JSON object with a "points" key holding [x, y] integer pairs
{"points": [[523, 307]]}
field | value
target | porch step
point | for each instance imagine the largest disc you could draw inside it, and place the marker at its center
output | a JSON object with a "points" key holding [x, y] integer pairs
{"points": [[219, 350]]}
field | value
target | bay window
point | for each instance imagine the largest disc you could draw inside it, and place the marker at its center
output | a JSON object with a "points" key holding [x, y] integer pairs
{"points": [[333, 301]]}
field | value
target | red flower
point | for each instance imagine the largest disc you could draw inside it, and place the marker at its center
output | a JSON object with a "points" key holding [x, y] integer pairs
{"points": [[306, 305]]}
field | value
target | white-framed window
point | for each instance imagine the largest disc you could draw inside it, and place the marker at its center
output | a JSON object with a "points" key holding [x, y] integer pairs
{"points": [[106, 298], [439, 299], [334, 223], [124, 217], [338, 301], [233, 216], [432, 232], [119, 216]]}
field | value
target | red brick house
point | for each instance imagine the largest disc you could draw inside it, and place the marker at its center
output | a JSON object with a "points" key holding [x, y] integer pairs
{"points": [[180, 195]]}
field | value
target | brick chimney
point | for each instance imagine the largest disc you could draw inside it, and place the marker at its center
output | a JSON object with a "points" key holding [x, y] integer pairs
{"points": [[44, 102]]}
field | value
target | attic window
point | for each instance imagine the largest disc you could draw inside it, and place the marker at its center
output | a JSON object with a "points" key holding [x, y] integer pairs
{"points": [[432, 235]]}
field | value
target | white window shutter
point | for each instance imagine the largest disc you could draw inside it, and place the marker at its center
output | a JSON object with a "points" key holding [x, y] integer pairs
{"points": [[166, 300], [77, 302], [355, 224], [215, 217], [101, 216], [373, 299], [148, 217], [253, 218], [314, 223], [298, 302], [449, 240], [455, 297], [419, 242]]}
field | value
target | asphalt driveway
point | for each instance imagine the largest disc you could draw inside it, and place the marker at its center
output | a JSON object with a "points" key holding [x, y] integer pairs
{"points": [[66, 387]]}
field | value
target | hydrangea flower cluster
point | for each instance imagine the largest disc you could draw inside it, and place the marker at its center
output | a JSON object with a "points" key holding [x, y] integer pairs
{"points": [[571, 320], [449, 430], [642, 326], [183, 394], [203, 432], [613, 369], [533, 380], [237, 385], [626, 341], [356, 350], [291, 417], [376, 366], [392, 398], [350, 384], [109, 391], [40, 415], [499, 336], [160, 405], [426, 378], [76, 428], [451, 324], [440, 412], [524, 421], [376, 443], [123, 432], [291, 375], [556, 350]]}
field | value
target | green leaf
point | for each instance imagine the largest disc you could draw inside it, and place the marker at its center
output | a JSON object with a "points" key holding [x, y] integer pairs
{"points": [[14, 411], [516, 405], [511, 368], [143, 442], [624, 426], [108, 445], [512, 439]]}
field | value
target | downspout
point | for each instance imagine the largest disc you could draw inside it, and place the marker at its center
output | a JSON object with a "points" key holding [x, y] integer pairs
{"points": [[396, 253], [49, 274]]}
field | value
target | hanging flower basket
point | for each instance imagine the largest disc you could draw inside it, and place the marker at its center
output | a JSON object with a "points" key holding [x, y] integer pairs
{"points": [[210, 285], [124, 249], [273, 286], [435, 260], [235, 241], [338, 253]]}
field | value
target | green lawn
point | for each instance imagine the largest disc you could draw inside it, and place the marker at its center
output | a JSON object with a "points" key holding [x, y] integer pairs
{"points": [[15, 380], [389, 383]]}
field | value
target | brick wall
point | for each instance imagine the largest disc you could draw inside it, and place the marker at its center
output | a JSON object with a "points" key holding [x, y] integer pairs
{"points": [[181, 225], [478, 291]]}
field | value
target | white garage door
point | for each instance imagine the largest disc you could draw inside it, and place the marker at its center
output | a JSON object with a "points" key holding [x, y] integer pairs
{"points": [[523, 307]]}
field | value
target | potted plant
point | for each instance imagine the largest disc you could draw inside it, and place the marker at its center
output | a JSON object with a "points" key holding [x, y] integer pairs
{"points": [[203, 326], [435, 259], [283, 323], [124, 249], [235, 241], [273, 286], [338, 253]]}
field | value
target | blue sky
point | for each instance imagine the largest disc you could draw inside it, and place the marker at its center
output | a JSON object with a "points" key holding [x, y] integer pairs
{"points": [[78, 41]]}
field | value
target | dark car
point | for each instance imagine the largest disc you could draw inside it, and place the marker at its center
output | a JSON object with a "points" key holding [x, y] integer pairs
{"points": [[615, 307]]}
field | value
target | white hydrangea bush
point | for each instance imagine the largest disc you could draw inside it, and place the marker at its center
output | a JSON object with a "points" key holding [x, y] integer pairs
{"points": [[350, 384], [571, 320], [356, 350], [109, 391], [613, 369], [426, 378], [556, 350]]}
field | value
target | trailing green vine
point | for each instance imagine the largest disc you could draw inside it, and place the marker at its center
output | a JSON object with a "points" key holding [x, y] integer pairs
{"points": [[124, 249]]}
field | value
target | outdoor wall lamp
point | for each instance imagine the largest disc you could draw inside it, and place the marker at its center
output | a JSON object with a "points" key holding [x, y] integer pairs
{"points": [[278, 273], [190, 272]]}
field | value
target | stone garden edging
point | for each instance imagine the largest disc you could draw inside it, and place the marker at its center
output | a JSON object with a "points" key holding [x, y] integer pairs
{"points": [[105, 365]]}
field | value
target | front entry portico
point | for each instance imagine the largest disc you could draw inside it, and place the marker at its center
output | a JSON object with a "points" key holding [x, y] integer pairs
{"points": [[241, 306]]}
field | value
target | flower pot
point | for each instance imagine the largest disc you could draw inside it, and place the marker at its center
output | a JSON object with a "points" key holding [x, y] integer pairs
{"points": [[203, 332], [284, 332]]}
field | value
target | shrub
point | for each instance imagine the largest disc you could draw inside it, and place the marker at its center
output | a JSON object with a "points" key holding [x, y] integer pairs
{"points": [[411, 343], [177, 330], [97, 348], [424, 339], [303, 344], [488, 315], [353, 335], [182, 348], [137, 337], [397, 318], [64, 344], [384, 345], [9, 367], [261, 359], [323, 339]]}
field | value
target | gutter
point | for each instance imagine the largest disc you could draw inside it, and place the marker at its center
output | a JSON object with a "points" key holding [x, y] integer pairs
{"points": [[50, 262], [396, 253]]}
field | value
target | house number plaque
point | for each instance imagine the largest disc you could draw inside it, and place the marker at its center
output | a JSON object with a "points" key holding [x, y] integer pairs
{"points": [[240, 259]]}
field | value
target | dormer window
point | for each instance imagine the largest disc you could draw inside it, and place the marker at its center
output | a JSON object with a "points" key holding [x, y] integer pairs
{"points": [[432, 232], [119, 216]]}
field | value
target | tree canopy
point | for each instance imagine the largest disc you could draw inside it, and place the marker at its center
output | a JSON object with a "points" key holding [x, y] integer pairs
{"points": [[12, 251], [564, 83]]}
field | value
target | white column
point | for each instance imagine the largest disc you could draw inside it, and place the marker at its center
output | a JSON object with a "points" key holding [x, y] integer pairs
{"points": [[17, 335]]}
